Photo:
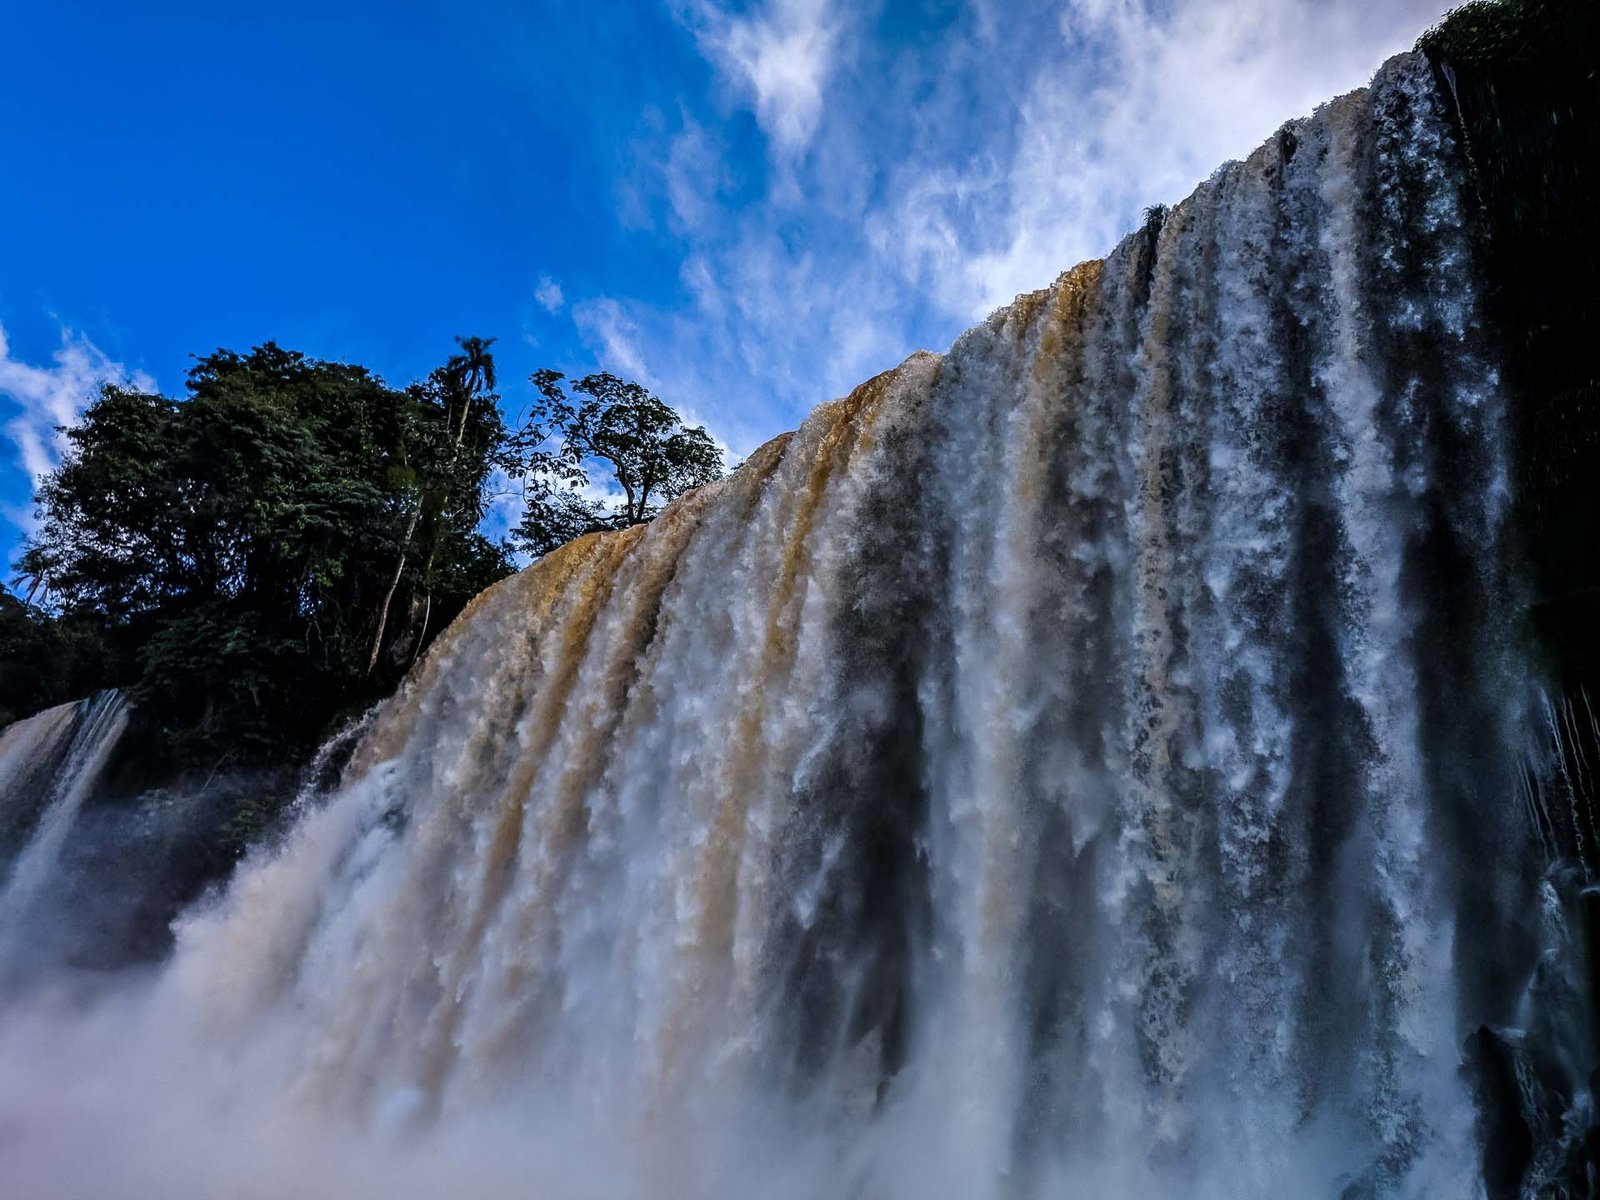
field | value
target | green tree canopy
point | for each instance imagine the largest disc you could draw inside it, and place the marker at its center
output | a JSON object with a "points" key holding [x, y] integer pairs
{"points": [[275, 547], [649, 452], [46, 660]]}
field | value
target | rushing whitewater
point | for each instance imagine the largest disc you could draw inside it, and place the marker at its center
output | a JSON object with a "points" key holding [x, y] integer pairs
{"points": [[1082, 765], [49, 764]]}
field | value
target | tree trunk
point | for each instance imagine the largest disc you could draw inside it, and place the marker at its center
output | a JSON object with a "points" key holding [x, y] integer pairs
{"points": [[388, 599], [399, 568], [422, 633]]}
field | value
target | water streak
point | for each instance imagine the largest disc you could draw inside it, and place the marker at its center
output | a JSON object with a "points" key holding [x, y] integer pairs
{"points": [[49, 765]]}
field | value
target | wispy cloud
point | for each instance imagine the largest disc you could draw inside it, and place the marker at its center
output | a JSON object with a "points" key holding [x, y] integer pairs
{"points": [[44, 398], [549, 295], [1134, 104], [609, 325], [781, 54], [914, 180]]}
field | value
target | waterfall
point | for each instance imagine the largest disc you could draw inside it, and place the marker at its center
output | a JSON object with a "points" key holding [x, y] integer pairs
{"points": [[30, 751], [49, 764], [1083, 764]]}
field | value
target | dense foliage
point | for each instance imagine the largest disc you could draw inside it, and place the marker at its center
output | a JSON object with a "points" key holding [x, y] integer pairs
{"points": [[1511, 33], [652, 456], [269, 553], [47, 660], [271, 550]]}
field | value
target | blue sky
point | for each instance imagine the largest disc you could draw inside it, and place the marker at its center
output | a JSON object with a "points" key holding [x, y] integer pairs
{"points": [[750, 206]]}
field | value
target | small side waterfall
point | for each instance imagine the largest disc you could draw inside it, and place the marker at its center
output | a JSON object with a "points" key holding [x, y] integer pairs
{"points": [[1087, 764], [49, 764], [30, 754]]}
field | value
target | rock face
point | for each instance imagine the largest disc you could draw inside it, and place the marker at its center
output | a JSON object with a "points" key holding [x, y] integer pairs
{"points": [[1524, 100], [1107, 760]]}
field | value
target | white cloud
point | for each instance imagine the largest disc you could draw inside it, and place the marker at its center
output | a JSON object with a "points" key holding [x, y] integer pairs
{"points": [[548, 294], [613, 331], [693, 176], [781, 55], [916, 183], [1138, 103], [46, 397]]}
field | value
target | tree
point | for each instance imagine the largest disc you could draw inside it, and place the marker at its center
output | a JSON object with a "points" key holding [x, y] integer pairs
{"points": [[249, 544], [48, 659], [460, 438], [651, 455]]}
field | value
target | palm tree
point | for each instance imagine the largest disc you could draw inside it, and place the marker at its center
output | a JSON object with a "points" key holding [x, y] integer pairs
{"points": [[463, 379], [472, 372]]}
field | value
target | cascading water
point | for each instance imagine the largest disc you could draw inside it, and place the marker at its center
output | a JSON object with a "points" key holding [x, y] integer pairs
{"points": [[1082, 765], [49, 764], [30, 753]]}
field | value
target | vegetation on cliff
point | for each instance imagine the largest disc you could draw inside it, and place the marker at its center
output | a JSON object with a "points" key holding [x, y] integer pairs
{"points": [[269, 553], [238, 548], [650, 453]]}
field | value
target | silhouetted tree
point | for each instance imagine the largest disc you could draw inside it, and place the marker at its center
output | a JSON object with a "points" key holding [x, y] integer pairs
{"points": [[652, 456]]}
